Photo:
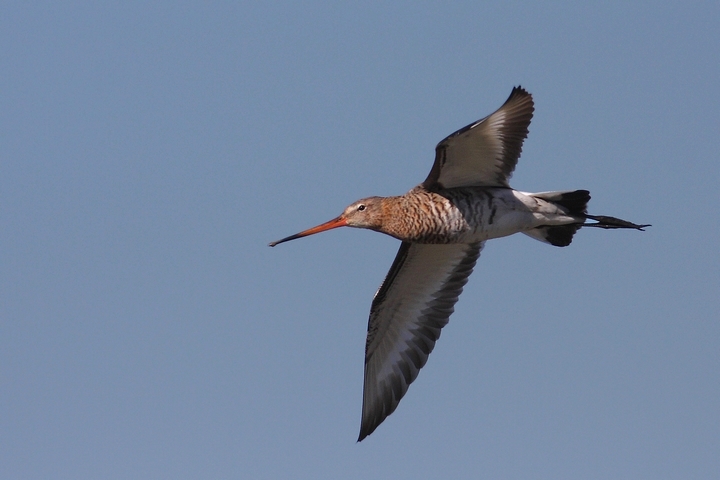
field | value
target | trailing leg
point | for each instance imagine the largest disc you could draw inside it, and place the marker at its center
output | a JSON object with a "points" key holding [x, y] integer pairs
{"points": [[612, 223]]}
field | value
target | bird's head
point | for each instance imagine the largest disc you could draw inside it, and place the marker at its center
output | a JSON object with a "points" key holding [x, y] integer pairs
{"points": [[365, 213]]}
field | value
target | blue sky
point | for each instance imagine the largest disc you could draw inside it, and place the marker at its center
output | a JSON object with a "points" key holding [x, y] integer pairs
{"points": [[149, 151]]}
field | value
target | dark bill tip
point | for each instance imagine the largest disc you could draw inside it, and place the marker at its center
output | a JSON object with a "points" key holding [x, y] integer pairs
{"points": [[286, 239]]}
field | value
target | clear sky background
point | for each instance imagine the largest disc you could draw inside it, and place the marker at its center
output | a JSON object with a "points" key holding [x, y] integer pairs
{"points": [[149, 151]]}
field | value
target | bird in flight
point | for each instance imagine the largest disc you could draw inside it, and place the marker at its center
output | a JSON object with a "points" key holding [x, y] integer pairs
{"points": [[443, 224]]}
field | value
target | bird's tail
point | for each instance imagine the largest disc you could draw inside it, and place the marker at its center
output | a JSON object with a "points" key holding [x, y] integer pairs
{"points": [[574, 203]]}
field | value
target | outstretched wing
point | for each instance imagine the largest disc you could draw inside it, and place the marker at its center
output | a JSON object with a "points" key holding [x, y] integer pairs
{"points": [[485, 152], [414, 302]]}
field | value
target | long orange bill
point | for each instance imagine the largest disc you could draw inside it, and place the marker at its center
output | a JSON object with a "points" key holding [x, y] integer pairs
{"points": [[334, 223]]}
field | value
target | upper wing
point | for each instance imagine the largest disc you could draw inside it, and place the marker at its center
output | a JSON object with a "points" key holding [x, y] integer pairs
{"points": [[412, 305], [485, 152]]}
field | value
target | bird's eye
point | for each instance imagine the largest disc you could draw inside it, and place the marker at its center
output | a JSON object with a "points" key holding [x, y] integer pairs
{"points": [[361, 207]]}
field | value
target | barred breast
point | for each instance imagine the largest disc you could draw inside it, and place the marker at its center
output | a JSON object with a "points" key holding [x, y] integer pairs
{"points": [[458, 215]]}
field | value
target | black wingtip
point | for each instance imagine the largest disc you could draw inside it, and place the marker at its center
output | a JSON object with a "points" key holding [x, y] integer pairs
{"points": [[518, 91], [365, 430]]}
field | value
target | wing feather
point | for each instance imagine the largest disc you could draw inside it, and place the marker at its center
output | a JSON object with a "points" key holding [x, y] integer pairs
{"points": [[484, 153], [411, 307]]}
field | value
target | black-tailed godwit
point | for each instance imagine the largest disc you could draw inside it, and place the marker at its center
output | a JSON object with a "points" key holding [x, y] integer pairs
{"points": [[443, 224]]}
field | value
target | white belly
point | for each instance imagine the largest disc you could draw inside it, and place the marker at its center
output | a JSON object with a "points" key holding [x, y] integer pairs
{"points": [[499, 212]]}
